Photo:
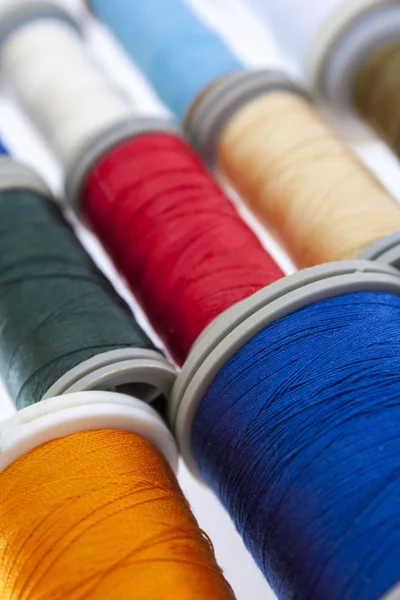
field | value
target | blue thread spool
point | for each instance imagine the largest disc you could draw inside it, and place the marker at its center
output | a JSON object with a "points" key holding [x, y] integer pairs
{"points": [[179, 54], [288, 406]]}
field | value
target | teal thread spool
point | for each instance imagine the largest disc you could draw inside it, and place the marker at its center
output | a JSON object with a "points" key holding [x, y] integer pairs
{"points": [[62, 326]]}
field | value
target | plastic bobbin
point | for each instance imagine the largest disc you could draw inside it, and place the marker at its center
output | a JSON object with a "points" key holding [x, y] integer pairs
{"points": [[211, 112], [346, 39], [88, 157], [22, 12], [238, 325], [145, 374], [16, 176], [386, 250], [85, 411]]}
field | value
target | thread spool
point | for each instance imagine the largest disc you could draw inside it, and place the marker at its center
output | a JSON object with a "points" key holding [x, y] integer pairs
{"points": [[152, 41], [375, 94], [40, 41], [297, 177], [345, 49], [97, 512], [169, 229], [63, 328], [263, 432], [262, 133]]}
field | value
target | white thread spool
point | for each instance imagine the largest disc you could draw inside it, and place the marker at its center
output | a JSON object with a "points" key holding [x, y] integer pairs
{"points": [[47, 66]]}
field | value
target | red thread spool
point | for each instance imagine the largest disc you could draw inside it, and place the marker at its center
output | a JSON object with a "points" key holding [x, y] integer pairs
{"points": [[175, 237]]}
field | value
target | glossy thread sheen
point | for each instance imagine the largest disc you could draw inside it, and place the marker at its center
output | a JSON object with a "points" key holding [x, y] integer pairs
{"points": [[99, 515], [175, 237], [299, 435], [56, 308], [179, 53]]}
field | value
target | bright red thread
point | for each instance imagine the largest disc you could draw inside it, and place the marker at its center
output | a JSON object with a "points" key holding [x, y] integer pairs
{"points": [[174, 235]]}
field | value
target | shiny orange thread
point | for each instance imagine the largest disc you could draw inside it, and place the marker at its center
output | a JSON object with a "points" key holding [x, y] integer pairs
{"points": [[99, 515]]}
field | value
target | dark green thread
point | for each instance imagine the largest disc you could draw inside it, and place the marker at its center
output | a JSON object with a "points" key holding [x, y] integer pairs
{"points": [[56, 308]]}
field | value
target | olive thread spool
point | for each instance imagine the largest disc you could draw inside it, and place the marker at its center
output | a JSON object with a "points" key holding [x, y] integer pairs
{"points": [[347, 50], [64, 328]]}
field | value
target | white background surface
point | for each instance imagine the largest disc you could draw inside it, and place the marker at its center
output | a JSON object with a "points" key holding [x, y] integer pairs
{"points": [[254, 44]]}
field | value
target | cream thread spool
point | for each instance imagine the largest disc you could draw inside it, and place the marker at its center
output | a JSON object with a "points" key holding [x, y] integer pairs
{"points": [[299, 178]]}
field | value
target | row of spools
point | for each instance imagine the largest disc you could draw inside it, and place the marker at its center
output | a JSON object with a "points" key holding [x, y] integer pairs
{"points": [[286, 402]]}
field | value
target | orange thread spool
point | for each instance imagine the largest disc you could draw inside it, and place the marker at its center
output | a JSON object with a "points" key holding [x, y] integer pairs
{"points": [[99, 515]]}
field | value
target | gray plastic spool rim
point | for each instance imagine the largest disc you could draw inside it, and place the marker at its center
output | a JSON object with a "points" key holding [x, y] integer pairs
{"points": [[20, 15], [238, 325], [209, 114], [88, 156], [342, 46], [146, 373], [386, 250], [16, 176]]}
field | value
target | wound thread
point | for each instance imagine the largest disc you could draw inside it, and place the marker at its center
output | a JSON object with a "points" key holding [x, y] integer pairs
{"points": [[298, 434], [376, 93], [56, 308], [72, 108], [177, 52], [302, 181], [174, 236], [100, 514]]}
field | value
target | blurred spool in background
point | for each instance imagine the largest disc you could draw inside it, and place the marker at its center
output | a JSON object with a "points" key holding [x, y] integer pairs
{"points": [[350, 53]]}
